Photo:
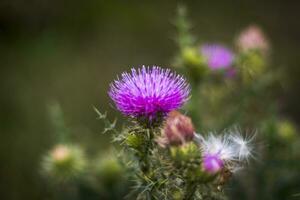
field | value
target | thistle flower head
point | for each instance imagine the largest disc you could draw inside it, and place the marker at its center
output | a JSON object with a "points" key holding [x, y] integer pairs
{"points": [[218, 145], [252, 38], [228, 150], [177, 130], [148, 92], [217, 56]]}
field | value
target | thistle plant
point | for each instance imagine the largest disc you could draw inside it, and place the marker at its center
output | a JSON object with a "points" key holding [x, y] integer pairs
{"points": [[180, 139], [167, 158]]}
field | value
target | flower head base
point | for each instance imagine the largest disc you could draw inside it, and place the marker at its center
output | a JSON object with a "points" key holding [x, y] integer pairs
{"points": [[178, 129], [217, 56], [212, 163], [149, 92], [252, 38]]}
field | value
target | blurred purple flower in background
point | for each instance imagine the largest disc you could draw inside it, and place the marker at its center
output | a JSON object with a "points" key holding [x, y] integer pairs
{"points": [[148, 92], [217, 56]]}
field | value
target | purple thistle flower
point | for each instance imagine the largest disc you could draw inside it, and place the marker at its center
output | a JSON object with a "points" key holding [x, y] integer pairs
{"points": [[212, 163], [217, 56], [148, 92]]}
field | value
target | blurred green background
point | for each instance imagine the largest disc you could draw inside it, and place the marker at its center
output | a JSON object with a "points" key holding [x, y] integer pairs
{"points": [[69, 52]]}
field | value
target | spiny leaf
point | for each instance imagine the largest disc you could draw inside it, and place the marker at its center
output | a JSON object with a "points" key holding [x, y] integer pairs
{"points": [[108, 125], [100, 115]]}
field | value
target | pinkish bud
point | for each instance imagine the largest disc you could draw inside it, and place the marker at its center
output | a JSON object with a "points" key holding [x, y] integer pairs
{"points": [[60, 153], [252, 38], [178, 129]]}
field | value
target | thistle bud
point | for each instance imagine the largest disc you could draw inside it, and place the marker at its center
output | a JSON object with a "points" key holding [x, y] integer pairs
{"points": [[186, 153], [194, 62], [178, 129], [252, 38], [191, 56], [64, 162], [286, 130], [254, 48]]}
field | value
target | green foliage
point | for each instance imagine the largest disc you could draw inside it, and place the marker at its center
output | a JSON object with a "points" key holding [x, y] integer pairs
{"points": [[184, 38]]}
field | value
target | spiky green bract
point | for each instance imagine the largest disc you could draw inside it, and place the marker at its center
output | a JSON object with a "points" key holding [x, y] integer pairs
{"points": [[64, 163], [187, 158], [151, 168], [140, 141], [185, 152]]}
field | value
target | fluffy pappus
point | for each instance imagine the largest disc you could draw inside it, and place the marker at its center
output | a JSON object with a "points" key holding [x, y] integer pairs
{"points": [[229, 150]]}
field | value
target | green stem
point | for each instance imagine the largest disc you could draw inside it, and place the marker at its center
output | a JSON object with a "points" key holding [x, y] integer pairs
{"points": [[144, 160]]}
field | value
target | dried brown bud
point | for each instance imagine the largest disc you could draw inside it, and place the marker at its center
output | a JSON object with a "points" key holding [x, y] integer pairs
{"points": [[178, 129]]}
